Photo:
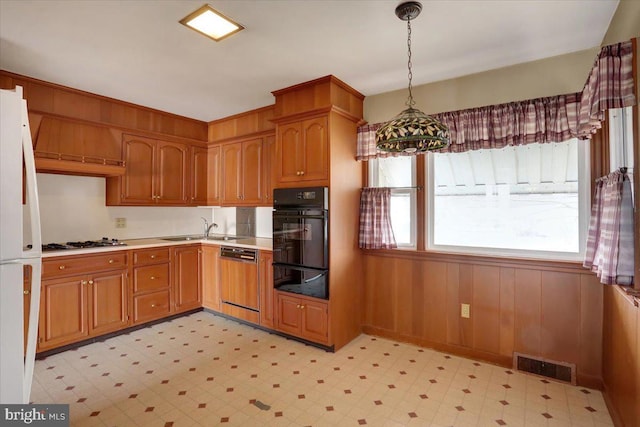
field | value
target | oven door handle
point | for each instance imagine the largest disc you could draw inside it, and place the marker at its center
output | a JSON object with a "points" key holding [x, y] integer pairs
{"points": [[290, 216]]}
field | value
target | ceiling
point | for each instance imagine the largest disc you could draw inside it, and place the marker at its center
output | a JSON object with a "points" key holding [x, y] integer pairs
{"points": [[136, 50]]}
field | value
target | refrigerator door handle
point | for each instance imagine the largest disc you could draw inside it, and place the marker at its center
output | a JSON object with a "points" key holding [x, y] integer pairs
{"points": [[32, 188], [32, 333]]}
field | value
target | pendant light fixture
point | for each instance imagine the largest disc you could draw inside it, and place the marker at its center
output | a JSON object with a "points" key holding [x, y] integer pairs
{"points": [[412, 130]]}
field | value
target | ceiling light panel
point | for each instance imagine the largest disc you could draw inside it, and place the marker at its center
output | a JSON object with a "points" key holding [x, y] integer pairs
{"points": [[211, 23]]}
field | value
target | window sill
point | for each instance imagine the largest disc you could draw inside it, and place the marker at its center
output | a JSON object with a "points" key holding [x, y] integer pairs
{"points": [[499, 261]]}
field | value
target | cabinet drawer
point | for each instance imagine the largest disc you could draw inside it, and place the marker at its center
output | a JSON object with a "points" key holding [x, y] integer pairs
{"points": [[150, 306], [58, 267], [151, 256], [150, 277]]}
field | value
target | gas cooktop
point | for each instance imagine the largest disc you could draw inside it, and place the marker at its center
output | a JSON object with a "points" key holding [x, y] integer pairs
{"points": [[82, 245]]}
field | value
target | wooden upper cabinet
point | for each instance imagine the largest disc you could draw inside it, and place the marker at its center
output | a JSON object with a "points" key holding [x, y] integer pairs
{"points": [[214, 184], [231, 160], [302, 152], [242, 164], [199, 175], [252, 154], [138, 180], [157, 173], [172, 173], [268, 149]]}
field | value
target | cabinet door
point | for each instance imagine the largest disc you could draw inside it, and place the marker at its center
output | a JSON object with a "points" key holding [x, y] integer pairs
{"points": [[252, 155], [214, 176], [138, 184], [288, 318], [315, 150], [210, 277], [172, 173], [288, 152], [63, 314], [107, 302], [315, 321], [231, 158], [266, 289], [186, 267], [268, 151], [199, 175]]}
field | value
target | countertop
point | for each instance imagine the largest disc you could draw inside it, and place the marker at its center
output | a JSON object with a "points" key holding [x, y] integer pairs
{"points": [[260, 243]]}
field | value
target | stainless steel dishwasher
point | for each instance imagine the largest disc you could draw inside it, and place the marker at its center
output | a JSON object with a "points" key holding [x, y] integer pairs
{"points": [[239, 277]]}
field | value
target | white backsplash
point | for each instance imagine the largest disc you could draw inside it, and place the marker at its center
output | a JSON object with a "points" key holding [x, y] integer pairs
{"points": [[73, 208]]}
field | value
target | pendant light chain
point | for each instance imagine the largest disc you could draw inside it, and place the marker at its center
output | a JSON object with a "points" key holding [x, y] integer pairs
{"points": [[412, 131], [410, 102]]}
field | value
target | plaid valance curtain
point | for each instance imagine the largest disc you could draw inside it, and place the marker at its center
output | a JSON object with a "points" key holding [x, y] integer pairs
{"points": [[609, 85], [375, 219], [551, 119], [610, 250]]}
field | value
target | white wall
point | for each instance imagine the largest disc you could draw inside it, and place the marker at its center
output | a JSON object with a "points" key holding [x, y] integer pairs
{"points": [[73, 208]]}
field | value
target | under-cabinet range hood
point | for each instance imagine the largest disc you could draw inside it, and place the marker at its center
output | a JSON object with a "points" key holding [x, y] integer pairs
{"points": [[76, 148]]}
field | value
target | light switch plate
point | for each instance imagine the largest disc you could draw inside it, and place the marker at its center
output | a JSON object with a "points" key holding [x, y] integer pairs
{"points": [[121, 223]]}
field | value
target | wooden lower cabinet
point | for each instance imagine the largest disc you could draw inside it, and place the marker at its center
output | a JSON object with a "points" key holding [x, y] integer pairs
{"points": [[151, 287], [304, 317], [77, 307], [265, 276], [107, 299], [210, 278], [63, 312], [187, 289]]}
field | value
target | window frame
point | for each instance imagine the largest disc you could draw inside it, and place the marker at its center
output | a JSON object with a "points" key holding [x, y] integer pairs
{"points": [[411, 191], [584, 203]]}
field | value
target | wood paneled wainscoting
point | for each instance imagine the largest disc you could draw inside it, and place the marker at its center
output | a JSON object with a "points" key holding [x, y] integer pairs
{"points": [[621, 370], [550, 310]]}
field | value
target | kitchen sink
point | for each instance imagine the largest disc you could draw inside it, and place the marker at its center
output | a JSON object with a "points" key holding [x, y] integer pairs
{"points": [[182, 238], [226, 238], [185, 238]]}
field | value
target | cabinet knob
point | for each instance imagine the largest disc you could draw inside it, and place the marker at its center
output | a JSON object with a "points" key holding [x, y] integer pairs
{"points": [[301, 172], [26, 292], [152, 278], [111, 261], [83, 282], [152, 257], [297, 305], [302, 307], [153, 306], [298, 173], [62, 267], [91, 282]]}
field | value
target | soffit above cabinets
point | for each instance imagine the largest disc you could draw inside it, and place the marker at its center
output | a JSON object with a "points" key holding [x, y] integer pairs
{"points": [[70, 147]]}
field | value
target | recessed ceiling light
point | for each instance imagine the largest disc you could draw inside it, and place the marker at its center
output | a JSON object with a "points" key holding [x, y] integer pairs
{"points": [[211, 23]]}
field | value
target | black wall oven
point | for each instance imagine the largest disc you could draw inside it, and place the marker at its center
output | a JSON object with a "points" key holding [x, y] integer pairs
{"points": [[300, 241]]}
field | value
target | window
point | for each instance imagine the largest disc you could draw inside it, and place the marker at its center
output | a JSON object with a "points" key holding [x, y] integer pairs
{"points": [[621, 138], [399, 174], [530, 200]]}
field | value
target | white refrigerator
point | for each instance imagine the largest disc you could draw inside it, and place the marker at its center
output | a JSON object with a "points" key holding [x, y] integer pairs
{"points": [[16, 150]]}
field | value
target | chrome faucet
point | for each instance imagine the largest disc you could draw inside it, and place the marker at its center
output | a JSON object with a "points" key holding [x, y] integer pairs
{"points": [[208, 227]]}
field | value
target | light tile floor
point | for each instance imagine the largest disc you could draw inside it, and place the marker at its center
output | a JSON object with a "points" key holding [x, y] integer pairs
{"points": [[205, 370]]}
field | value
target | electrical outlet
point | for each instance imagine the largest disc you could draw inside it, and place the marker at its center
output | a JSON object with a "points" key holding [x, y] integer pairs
{"points": [[121, 223], [465, 310]]}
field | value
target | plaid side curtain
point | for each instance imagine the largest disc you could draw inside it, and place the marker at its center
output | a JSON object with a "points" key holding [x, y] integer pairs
{"points": [[375, 219], [609, 85], [610, 240]]}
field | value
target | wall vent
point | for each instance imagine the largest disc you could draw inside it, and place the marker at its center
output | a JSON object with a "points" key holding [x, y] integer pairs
{"points": [[560, 371]]}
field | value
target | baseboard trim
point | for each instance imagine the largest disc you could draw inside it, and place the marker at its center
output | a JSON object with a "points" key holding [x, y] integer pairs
{"points": [[613, 410]]}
